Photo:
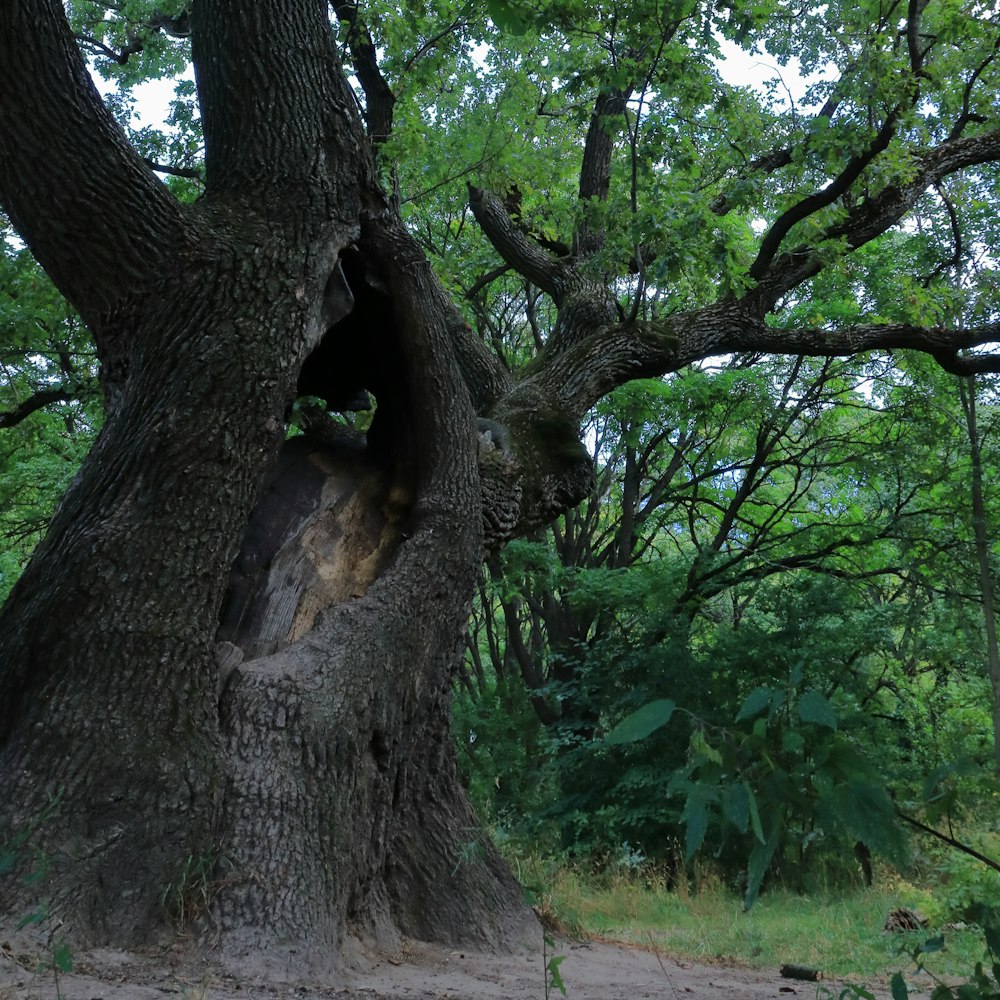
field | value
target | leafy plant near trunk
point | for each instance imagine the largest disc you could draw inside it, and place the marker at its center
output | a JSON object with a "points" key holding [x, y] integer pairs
{"points": [[188, 896], [551, 964], [23, 862], [788, 772]]}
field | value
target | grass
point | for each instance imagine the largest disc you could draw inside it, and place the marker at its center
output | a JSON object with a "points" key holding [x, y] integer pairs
{"points": [[838, 932]]}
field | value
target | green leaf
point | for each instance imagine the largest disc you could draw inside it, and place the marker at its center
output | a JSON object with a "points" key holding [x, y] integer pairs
{"points": [[792, 741], [899, 988], [507, 16], [815, 708], [754, 814], [555, 977], [696, 817], [970, 991], [760, 859], [754, 703], [62, 956], [736, 806], [701, 747], [642, 722]]}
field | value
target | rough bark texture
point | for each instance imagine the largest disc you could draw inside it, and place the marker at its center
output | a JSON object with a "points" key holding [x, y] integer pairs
{"points": [[268, 735]]}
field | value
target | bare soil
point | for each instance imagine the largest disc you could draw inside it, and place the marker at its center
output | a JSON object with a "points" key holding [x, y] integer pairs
{"points": [[590, 970]]}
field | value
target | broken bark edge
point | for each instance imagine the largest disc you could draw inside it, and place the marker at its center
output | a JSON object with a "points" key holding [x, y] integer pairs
{"points": [[801, 972]]}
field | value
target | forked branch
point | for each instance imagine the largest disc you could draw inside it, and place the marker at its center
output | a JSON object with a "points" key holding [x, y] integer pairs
{"points": [[873, 217]]}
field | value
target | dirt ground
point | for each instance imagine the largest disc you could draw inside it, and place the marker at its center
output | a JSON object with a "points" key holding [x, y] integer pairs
{"points": [[591, 971]]}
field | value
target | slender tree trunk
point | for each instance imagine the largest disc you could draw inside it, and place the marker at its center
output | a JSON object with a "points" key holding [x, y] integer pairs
{"points": [[967, 390]]}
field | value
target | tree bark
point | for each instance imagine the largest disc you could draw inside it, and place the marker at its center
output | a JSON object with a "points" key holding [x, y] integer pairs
{"points": [[176, 725]]}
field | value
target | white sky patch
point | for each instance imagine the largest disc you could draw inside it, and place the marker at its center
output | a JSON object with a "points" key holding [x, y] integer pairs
{"points": [[756, 70], [152, 99]]}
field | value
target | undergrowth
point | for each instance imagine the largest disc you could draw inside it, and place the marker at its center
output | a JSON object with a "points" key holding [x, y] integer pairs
{"points": [[840, 931]]}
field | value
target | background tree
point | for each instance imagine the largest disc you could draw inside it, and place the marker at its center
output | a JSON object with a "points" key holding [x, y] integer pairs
{"points": [[239, 647], [812, 529]]}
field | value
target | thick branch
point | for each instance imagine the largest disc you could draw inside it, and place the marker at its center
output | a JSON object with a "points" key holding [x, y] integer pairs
{"points": [[943, 344], [517, 249], [915, 9], [279, 118], [93, 214], [595, 169], [35, 402], [617, 353], [379, 99]]}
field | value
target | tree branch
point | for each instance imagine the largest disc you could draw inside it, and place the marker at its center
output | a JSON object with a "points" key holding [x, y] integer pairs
{"points": [[120, 56], [177, 27], [487, 279], [517, 249], [876, 215], [821, 199], [380, 101], [943, 344], [94, 215], [192, 173], [37, 401], [595, 168], [950, 841], [958, 251], [967, 115], [585, 371]]}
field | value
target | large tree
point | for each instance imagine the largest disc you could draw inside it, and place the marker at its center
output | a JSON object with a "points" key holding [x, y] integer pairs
{"points": [[233, 651]]}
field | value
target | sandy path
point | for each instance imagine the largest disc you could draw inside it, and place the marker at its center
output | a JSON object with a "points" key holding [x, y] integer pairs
{"points": [[591, 971]]}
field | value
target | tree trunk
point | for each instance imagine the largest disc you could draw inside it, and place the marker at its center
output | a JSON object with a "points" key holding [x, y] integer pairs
{"points": [[224, 676], [967, 391], [260, 744], [293, 782]]}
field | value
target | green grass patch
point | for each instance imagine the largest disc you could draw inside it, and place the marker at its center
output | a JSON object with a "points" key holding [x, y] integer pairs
{"points": [[840, 932]]}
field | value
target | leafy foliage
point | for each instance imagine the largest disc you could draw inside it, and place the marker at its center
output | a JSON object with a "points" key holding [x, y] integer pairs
{"points": [[46, 355], [792, 636]]}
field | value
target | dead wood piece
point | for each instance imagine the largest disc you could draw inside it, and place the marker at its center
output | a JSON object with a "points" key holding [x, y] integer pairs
{"points": [[905, 920], [801, 972]]}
